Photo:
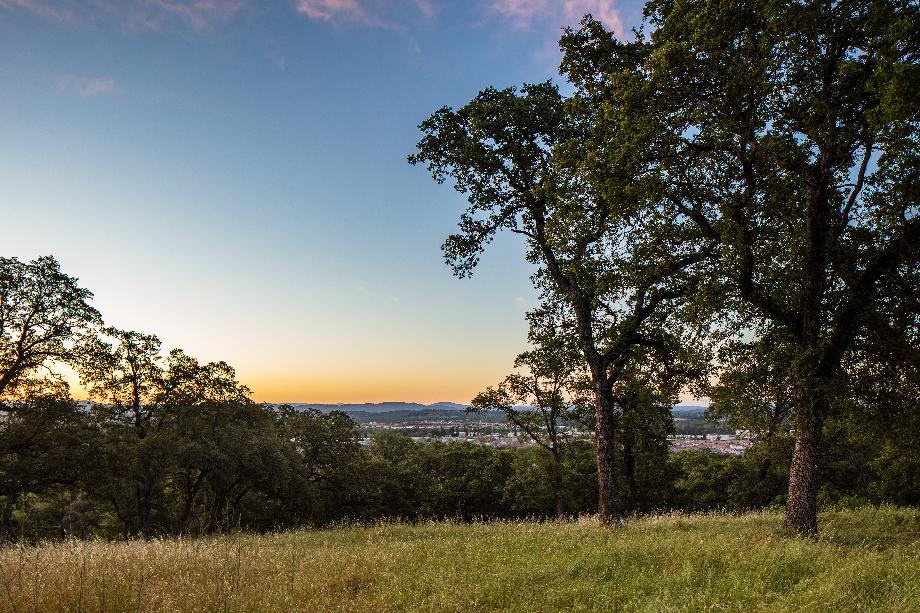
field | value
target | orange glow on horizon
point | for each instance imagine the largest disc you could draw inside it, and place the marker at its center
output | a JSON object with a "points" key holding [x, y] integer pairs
{"points": [[361, 390], [336, 388]]}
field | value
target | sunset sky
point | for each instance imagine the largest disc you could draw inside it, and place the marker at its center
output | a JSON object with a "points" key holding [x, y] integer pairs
{"points": [[231, 175]]}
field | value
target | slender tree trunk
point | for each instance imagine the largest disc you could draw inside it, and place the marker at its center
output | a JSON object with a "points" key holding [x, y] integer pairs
{"points": [[559, 485], [143, 507], [761, 494], [561, 506], [215, 524], [190, 493], [801, 505], [629, 467], [6, 533]]}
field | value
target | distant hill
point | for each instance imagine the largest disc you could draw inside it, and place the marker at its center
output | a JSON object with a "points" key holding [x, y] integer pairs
{"points": [[387, 407], [381, 407], [688, 410], [419, 416]]}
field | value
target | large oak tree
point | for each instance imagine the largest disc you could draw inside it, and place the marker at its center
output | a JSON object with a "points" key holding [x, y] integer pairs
{"points": [[786, 138], [514, 154]]}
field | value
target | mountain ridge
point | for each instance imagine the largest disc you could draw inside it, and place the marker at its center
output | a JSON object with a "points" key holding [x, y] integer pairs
{"points": [[378, 407], [389, 406]]}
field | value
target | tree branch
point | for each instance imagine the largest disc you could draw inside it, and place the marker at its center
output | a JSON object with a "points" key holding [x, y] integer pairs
{"points": [[846, 324]]}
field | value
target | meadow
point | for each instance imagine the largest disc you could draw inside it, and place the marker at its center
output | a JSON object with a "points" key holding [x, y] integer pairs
{"points": [[865, 560]]}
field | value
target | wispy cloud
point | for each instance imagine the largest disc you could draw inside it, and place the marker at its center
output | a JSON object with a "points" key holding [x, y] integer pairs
{"points": [[374, 295], [200, 13], [336, 10], [524, 13], [88, 88], [42, 8], [364, 291], [146, 14], [203, 14], [426, 8], [367, 13]]}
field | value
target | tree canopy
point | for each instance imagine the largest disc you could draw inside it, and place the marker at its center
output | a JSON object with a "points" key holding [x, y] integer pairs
{"points": [[747, 171]]}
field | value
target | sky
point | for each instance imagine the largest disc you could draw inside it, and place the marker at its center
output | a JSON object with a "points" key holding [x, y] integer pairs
{"points": [[231, 176]]}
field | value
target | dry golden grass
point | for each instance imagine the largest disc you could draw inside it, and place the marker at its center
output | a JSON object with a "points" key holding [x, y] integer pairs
{"points": [[867, 560]]}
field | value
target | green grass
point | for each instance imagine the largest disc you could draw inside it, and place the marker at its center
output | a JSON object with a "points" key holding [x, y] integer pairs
{"points": [[866, 560]]}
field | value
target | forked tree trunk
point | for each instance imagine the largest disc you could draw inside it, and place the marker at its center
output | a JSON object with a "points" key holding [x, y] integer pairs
{"points": [[605, 426], [801, 505]]}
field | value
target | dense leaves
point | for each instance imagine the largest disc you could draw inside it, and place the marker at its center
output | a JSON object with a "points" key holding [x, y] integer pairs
{"points": [[169, 445], [746, 175]]}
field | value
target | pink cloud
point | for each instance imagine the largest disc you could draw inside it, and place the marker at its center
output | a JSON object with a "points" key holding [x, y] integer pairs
{"points": [[330, 10], [42, 8], [368, 13], [202, 14], [426, 8], [149, 14], [523, 13]]}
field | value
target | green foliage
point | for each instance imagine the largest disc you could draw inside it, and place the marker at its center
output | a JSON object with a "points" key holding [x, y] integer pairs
{"points": [[519, 158], [411, 480], [548, 393], [171, 445], [44, 315]]}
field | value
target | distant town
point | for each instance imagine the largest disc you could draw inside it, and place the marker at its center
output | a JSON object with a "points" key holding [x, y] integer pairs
{"points": [[449, 423]]}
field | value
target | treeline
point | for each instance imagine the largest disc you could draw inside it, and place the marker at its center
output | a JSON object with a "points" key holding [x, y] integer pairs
{"points": [[172, 446], [168, 445], [70, 470]]}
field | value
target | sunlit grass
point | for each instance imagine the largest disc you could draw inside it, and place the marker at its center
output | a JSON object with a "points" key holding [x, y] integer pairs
{"points": [[866, 560]]}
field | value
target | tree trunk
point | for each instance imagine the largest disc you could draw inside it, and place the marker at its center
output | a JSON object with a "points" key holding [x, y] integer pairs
{"points": [[809, 398], [215, 524], [605, 426], [6, 519], [761, 494], [190, 492], [143, 507], [605, 439], [629, 468], [559, 485], [801, 505], [561, 507]]}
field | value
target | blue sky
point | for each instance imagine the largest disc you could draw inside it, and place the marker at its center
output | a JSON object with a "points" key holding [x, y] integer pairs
{"points": [[231, 175]]}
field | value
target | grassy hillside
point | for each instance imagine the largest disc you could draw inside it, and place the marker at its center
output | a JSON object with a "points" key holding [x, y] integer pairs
{"points": [[867, 560]]}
